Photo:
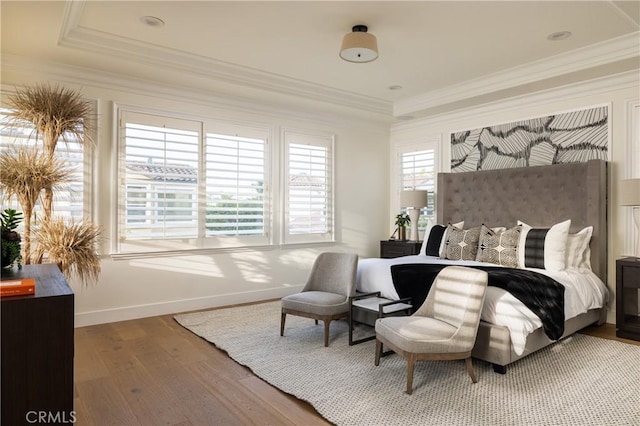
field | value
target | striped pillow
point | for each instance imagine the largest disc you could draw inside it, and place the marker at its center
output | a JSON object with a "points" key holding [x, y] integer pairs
{"points": [[543, 248]]}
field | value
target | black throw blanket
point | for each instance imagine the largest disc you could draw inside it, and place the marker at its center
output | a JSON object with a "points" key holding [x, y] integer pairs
{"points": [[538, 292]]}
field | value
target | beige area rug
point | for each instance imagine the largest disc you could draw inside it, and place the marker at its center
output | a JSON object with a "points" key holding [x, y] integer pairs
{"points": [[581, 380]]}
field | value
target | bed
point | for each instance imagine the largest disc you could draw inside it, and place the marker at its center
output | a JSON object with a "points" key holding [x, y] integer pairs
{"points": [[540, 196]]}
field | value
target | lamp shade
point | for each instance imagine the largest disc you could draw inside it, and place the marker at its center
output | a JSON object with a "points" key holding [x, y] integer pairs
{"points": [[359, 45], [416, 198], [630, 192]]}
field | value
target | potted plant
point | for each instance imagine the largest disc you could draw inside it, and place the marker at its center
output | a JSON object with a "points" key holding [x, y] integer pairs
{"points": [[10, 239], [402, 220]]}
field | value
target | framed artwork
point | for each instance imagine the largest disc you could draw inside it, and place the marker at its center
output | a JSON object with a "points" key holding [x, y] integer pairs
{"points": [[570, 137]]}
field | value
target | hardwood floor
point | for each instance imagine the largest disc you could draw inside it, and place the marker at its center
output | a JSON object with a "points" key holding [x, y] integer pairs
{"points": [[152, 371], [606, 331]]}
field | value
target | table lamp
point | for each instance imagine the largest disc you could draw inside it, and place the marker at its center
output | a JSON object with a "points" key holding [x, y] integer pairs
{"points": [[414, 200], [630, 196]]}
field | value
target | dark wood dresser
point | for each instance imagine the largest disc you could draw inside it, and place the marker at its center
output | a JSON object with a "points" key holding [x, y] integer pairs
{"points": [[396, 248], [37, 349], [627, 294]]}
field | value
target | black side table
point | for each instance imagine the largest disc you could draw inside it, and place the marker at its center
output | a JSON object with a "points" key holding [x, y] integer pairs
{"points": [[396, 248], [627, 293], [365, 308]]}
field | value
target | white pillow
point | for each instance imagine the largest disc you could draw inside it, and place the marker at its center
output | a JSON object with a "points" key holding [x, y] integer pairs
{"points": [[547, 247], [578, 254], [427, 231]]}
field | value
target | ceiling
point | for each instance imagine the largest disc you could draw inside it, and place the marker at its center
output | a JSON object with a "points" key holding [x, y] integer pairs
{"points": [[436, 53]]}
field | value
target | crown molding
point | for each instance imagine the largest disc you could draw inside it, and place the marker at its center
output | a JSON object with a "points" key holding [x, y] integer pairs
{"points": [[109, 81], [73, 35], [620, 48], [575, 91]]}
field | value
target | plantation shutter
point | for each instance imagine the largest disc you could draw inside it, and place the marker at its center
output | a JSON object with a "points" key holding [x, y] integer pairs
{"points": [[159, 172], [309, 187], [418, 171], [235, 181], [187, 184]]}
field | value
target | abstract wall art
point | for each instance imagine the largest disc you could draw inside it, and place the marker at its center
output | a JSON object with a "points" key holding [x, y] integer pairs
{"points": [[570, 137]]}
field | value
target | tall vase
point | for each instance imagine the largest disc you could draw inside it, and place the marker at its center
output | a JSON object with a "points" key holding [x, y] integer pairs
{"points": [[402, 233]]}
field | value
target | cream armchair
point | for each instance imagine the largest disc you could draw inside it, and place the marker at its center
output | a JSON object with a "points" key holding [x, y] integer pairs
{"points": [[443, 328], [326, 294]]}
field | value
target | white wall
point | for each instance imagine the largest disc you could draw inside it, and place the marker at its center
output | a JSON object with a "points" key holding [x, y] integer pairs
{"points": [[150, 286], [621, 92]]}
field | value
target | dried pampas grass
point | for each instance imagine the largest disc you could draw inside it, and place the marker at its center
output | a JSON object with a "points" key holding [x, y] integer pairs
{"points": [[25, 173], [73, 247], [55, 112], [58, 114]]}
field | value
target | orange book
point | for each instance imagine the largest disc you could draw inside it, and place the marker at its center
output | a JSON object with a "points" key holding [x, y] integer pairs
{"points": [[17, 287]]}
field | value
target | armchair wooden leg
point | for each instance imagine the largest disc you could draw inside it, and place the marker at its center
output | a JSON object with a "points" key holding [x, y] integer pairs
{"points": [[282, 320], [378, 352], [472, 373], [326, 332], [410, 364]]}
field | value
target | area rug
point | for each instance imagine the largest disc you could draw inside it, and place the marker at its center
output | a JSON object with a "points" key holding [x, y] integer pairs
{"points": [[581, 380]]}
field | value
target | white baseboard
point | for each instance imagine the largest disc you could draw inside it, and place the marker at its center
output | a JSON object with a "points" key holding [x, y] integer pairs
{"points": [[83, 319], [611, 316]]}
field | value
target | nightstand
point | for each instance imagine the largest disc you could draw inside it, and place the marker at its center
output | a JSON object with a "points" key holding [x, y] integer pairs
{"points": [[627, 294], [395, 248]]}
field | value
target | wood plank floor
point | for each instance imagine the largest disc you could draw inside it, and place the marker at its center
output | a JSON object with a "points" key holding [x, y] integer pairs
{"points": [[152, 371]]}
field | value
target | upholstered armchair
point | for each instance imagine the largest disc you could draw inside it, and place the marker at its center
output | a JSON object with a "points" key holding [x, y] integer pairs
{"points": [[326, 294], [443, 328]]}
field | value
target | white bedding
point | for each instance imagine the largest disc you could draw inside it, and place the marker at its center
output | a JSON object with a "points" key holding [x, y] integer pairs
{"points": [[583, 291]]}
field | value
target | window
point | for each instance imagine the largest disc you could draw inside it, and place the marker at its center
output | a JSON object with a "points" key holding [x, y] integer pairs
{"points": [[160, 168], [308, 182], [418, 172], [416, 168], [235, 185], [71, 200], [190, 184]]}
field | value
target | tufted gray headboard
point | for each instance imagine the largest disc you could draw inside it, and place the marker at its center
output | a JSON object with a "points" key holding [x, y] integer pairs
{"points": [[540, 196]]}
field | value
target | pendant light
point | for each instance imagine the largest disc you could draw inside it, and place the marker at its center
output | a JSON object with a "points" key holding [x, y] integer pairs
{"points": [[359, 45]]}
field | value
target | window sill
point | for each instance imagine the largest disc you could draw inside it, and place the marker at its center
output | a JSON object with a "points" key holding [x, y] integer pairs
{"points": [[190, 252]]}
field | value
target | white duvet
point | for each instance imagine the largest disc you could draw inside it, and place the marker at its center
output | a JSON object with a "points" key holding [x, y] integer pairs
{"points": [[583, 291]]}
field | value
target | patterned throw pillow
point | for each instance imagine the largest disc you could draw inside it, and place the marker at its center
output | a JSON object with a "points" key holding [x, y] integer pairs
{"points": [[499, 247], [462, 244], [437, 248]]}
